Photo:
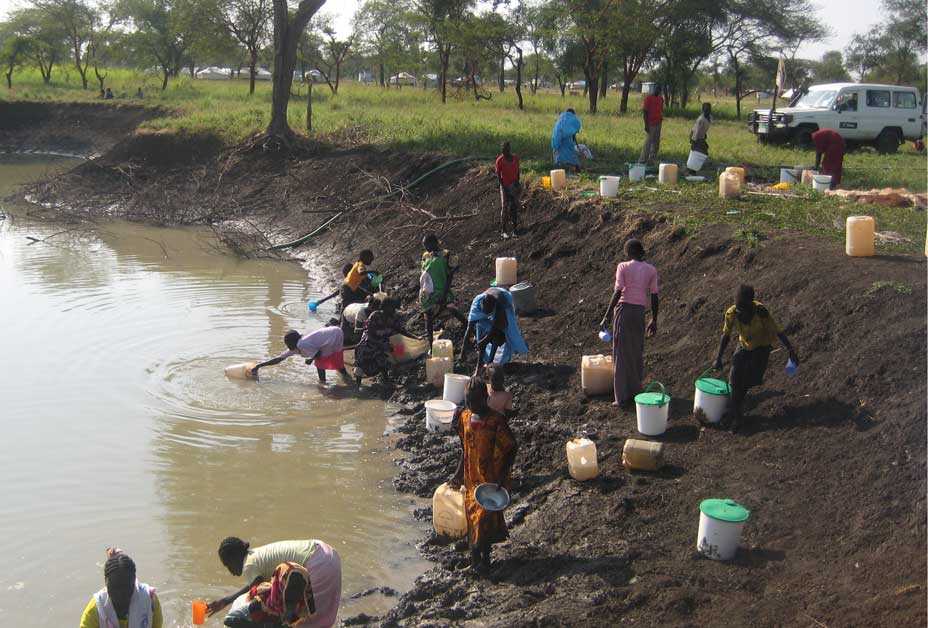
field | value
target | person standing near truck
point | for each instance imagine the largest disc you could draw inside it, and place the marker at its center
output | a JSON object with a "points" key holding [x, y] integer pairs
{"points": [[829, 154], [652, 109]]}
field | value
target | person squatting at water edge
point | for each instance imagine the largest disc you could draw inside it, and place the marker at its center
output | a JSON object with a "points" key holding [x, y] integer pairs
{"points": [[316, 563], [757, 331], [372, 353], [435, 296], [357, 287], [287, 600], [564, 141], [636, 287], [488, 450], [124, 601], [324, 347], [492, 323]]}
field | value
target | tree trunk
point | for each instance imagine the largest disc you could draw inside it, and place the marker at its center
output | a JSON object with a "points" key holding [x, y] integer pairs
{"points": [[537, 70], [502, 74], [287, 32], [253, 63], [83, 73], [9, 79], [604, 81], [519, 79], [164, 81], [309, 107], [338, 75], [383, 81], [100, 77], [626, 89], [444, 55]]}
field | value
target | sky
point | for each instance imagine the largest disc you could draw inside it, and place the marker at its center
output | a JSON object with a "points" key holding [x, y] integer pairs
{"points": [[843, 17]]}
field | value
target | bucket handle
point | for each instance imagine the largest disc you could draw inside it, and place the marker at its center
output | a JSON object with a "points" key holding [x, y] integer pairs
{"points": [[650, 388], [709, 371]]}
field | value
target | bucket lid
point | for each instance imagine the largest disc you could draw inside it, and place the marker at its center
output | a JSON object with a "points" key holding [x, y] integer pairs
{"points": [[724, 510], [522, 285], [713, 386], [653, 397]]}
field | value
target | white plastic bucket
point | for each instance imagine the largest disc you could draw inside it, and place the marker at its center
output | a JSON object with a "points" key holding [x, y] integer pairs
{"points": [[712, 401], [609, 186], [454, 387], [652, 408], [821, 182], [240, 371], [636, 172], [788, 175], [438, 415], [696, 160], [718, 539]]}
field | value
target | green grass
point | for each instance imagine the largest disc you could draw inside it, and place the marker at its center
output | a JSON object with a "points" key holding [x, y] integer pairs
{"points": [[414, 119], [898, 286]]}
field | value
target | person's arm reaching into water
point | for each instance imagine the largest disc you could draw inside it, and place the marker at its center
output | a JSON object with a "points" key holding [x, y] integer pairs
{"points": [[271, 362], [217, 605]]}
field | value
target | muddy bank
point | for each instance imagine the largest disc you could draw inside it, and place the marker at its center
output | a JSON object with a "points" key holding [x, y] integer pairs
{"points": [[80, 129], [832, 462]]}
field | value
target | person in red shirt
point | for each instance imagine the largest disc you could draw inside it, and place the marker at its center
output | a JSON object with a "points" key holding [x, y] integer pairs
{"points": [[510, 189], [652, 109], [830, 144]]}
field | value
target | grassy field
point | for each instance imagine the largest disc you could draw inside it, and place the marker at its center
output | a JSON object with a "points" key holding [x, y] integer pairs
{"points": [[414, 119]]}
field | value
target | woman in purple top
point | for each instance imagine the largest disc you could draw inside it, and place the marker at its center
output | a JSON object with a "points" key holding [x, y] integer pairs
{"points": [[636, 287]]}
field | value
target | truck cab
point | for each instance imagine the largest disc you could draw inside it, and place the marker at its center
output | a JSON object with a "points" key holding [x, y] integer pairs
{"points": [[884, 116]]}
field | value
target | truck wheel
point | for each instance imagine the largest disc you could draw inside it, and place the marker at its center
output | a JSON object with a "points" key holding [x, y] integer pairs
{"points": [[887, 142], [803, 137]]}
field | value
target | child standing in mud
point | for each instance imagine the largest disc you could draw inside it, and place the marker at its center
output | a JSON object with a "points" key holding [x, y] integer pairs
{"points": [[488, 450], [757, 331]]}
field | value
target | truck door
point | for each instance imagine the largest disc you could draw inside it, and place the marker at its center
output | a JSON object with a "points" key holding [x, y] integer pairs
{"points": [[905, 106], [847, 114], [878, 112]]}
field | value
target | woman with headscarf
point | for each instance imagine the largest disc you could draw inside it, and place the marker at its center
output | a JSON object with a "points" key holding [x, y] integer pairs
{"points": [[259, 565], [287, 600], [492, 323], [564, 141], [124, 602], [488, 450]]}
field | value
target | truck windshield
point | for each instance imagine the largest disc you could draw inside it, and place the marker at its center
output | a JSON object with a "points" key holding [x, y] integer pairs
{"points": [[817, 98]]}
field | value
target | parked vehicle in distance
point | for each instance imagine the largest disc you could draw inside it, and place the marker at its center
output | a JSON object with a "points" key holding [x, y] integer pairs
{"points": [[883, 116]]}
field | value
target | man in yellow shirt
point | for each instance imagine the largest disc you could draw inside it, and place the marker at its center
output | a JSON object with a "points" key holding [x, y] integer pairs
{"points": [[356, 287], [757, 331], [124, 602]]}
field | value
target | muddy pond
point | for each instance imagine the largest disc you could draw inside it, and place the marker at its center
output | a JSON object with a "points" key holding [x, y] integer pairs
{"points": [[119, 427]]}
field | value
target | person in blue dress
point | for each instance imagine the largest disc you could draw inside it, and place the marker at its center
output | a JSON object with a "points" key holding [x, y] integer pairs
{"points": [[564, 141], [492, 323]]}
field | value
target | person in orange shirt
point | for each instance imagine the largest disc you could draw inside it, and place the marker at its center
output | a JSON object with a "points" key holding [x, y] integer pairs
{"points": [[510, 189], [356, 287], [652, 109]]}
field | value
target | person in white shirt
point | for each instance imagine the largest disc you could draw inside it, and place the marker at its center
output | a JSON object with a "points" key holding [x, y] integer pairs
{"points": [[323, 347]]}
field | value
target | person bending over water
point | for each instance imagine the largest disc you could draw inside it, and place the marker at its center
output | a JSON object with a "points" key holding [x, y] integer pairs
{"points": [[320, 561], [287, 600], [493, 324], [324, 347], [124, 602], [488, 450]]}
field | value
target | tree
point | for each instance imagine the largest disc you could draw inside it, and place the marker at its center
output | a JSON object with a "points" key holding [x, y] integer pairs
{"points": [[830, 69], [76, 19], [591, 23], [442, 21], [329, 51], [533, 22], [164, 31], [385, 30], [45, 39], [636, 33], [13, 51], [248, 21], [893, 51], [288, 28]]}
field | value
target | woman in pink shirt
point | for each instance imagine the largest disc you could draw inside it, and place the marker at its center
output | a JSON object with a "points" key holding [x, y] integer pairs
{"points": [[636, 287]]}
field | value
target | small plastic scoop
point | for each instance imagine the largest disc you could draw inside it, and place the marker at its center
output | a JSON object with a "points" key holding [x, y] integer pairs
{"points": [[313, 305], [605, 335], [791, 368], [199, 612]]}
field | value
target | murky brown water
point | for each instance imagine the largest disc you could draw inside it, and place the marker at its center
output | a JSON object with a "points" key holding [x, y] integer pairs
{"points": [[118, 426]]}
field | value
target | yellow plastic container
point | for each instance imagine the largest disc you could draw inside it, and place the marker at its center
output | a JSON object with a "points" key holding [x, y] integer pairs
{"points": [[859, 236], [807, 177], [738, 172], [729, 185], [546, 182], [448, 516], [667, 174], [582, 461], [435, 369], [240, 371], [558, 180], [442, 348], [642, 455], [506, 271], [596, 373]]}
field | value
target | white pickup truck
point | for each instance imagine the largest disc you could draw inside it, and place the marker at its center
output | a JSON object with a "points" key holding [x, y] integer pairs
{"points": [[884, 116]]}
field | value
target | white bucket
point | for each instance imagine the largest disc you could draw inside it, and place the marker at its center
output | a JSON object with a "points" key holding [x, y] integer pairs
{"points": [[696, 160], [609, 186], [454, 387], [438, 415], [713, 406], [821, 182], [240, 371], [652, 409], [788, 175], [636, 172], [718, 539]]}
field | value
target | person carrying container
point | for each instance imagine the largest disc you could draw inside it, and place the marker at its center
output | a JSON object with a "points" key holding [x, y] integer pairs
{"points": [[757, 331], [564, 141], [124, 602], [829, 154], [488, 451], [652, 110], [323, 347], [321, 563], [699, 136], [492, 323], [510, 189], [357, 285], [636, 288], [435, 295]]}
